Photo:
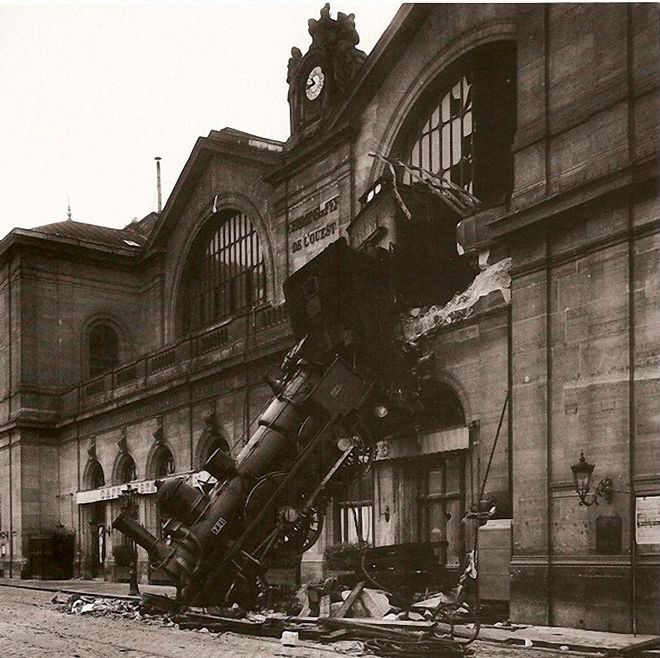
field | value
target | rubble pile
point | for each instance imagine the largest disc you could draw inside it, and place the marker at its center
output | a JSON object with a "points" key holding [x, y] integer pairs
{"points": [[78, 604], [495, 280], [360, 621]]}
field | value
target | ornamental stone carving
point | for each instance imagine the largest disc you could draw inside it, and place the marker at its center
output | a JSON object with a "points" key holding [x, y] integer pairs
{"points": [[319, 79]]}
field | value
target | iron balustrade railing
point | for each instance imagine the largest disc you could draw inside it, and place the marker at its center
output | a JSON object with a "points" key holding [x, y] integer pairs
{"points": [[162, 360], [125, 375], [227, 337], [95, 387], [211, 340]]}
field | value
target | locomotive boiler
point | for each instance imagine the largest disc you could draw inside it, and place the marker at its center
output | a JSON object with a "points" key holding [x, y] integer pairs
{"points": [[338, 390]]}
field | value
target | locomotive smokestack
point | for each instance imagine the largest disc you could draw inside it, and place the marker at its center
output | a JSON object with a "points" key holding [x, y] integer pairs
{"points": [[137, 533]]}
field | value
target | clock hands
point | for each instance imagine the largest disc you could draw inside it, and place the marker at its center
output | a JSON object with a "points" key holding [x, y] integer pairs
{"points": [[314, 83]]}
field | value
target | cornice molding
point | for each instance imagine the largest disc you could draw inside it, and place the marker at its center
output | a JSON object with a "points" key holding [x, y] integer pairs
{"points": [[550, 207]]}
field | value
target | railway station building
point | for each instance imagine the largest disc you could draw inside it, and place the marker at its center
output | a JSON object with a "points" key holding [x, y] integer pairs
{"points": [[529, 135]]}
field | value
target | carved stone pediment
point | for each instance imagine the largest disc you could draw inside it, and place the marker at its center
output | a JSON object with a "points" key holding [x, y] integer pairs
{"points": [[319, 79]]}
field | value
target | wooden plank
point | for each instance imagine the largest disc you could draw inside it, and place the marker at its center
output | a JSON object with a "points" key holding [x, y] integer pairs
{"points": [[350, 599], [367, 629], [333, 636], [387, 623]]}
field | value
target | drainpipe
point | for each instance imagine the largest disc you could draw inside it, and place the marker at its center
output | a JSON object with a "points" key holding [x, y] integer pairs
{"points": [[9, 404], [11, 513], [548, 421], [509, 347], [10, 339], [286, 216], [632, 156], [78, 514]]}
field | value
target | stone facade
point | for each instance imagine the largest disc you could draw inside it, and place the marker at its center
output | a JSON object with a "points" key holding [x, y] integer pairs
{"points": [[576, 347]]}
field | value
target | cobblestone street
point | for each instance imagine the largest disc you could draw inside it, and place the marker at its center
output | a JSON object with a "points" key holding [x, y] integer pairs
{"points": [[31, 627]]}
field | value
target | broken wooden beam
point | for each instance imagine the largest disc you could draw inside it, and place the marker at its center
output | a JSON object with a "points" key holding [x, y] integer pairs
{"points": [[350, 599], [367, 629], [405, 624]]}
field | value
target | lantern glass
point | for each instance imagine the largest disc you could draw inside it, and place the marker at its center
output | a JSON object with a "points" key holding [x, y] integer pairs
{"points": [[582, 476]]}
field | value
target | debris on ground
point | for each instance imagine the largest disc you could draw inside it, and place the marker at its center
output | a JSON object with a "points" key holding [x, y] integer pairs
{"points": [[77, 604], [358, 621]]}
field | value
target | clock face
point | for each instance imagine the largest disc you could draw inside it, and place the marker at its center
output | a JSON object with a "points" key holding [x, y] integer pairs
{"points": [[314, 84]]}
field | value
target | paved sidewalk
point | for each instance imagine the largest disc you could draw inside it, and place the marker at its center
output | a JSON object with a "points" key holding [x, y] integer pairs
{"points": [[573, 639], [92, 587]]}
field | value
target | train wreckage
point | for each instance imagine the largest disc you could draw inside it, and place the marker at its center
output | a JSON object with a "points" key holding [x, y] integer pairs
{"points": [[350, 380]]}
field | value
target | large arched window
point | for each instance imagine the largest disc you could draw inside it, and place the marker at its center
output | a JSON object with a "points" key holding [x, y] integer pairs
{"points": [[462, 129], [225, 272], [443, 145], [102, 349]]}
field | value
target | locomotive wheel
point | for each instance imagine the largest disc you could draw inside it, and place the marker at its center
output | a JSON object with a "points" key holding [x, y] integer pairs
{"points": [[359, 461], [293, 526]]}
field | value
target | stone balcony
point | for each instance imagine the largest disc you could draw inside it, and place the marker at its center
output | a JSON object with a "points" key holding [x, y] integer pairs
{"points": [[249, 335]]}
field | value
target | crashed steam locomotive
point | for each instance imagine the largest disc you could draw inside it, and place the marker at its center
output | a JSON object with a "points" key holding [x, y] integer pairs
{"points": [[343, 386]]}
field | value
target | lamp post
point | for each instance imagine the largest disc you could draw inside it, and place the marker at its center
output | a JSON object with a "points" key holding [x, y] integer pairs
{"points": [[582, 472], [129, 504]]}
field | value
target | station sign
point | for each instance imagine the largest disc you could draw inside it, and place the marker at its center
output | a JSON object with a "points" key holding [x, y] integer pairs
{"points": [[143, 487], [647, 519], [313, 226], [424, 443]]}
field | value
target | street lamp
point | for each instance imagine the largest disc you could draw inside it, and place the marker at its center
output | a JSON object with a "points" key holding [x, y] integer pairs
{"points": [[582, 472], [129, 503]]}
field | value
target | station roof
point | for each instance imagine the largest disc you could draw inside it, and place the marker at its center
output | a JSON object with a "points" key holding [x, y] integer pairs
{"points": [[92, 234]]}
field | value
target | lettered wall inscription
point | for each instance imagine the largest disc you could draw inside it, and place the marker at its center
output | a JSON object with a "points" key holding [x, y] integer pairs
{"points": [[313, 230]]}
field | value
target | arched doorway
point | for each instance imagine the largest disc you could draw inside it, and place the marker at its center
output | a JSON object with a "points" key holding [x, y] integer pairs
{"points": [[160, 465], [94, 522], [419, 481]]}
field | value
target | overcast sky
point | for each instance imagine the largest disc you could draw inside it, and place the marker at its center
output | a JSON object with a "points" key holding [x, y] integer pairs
{"points": [[91, 92]]}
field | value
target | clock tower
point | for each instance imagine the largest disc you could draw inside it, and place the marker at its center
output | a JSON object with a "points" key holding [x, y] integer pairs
{"points": [[319, 79]]}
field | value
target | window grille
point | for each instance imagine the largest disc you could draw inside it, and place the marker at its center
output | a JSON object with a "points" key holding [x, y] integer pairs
{"points": [[444, 143], [441, 504], [227, 272], [355, 509], [462, 130]]}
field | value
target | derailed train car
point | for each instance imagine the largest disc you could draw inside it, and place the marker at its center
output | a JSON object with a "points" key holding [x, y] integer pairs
{"points": [[338, 390]]}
